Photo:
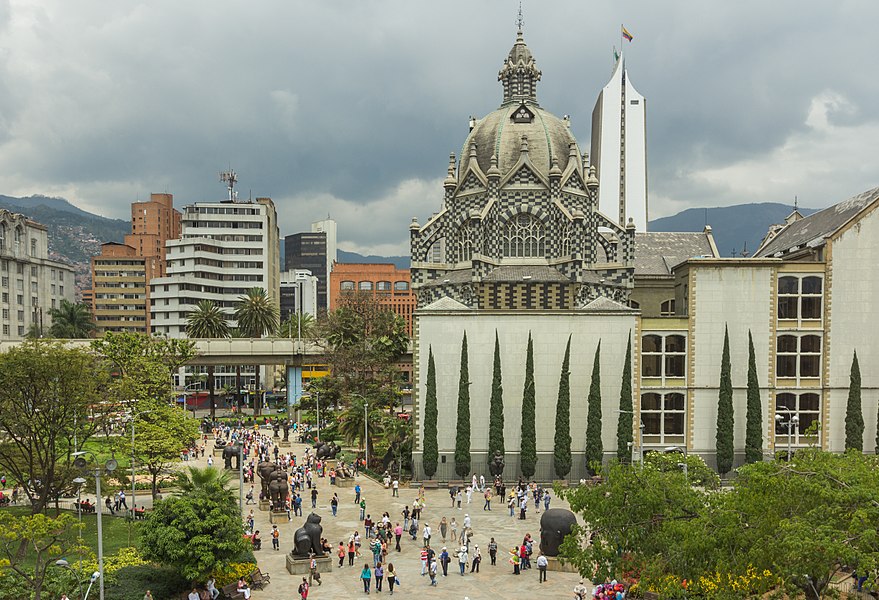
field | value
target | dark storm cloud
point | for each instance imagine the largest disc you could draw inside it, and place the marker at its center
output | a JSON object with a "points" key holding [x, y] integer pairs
{"points": [[351, 107]]}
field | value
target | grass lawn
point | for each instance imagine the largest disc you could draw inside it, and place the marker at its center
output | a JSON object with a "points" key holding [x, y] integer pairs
{"points": [[116, 530]]}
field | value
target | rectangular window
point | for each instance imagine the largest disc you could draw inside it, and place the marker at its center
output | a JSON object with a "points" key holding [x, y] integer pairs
{"points": [[19, 268], [800, 297], [60, 275], [19, 299], [21, 330], [6, 313], [5, 329], [53, 289], [347, 286], [5, 297], [34, 286], [61, 290], [21, 316], [798, 356], [5, 282], [365, 286], [19, 284], [663, 355], [663, 417], [797, 415]]}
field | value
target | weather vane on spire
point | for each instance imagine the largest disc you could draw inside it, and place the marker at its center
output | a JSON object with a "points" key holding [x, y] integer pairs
{"points": [[520, 21]]}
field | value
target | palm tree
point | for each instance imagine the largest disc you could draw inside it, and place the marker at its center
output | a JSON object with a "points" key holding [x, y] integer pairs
{"points": [[351, 424], [292, 326], [208, 321], [71, 321], [256, 314], [212, 481]]}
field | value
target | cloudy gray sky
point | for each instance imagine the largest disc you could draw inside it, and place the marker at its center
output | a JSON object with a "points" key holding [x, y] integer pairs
{"points": [[351, 107]]}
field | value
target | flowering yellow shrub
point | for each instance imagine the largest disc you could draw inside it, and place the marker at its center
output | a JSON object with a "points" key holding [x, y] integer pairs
{"points": [[719, 586], [233, 572]]}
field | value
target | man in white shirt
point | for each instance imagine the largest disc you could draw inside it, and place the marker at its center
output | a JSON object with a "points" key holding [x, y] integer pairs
{"points": [[426, 535], [193, 595], [395, 485]]}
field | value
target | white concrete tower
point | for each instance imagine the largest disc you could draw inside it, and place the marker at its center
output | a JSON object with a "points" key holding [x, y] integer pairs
{"points": [[619, 150]]}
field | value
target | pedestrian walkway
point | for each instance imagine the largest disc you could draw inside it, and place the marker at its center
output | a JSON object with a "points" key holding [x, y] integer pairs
{"points": [[490, 582]]}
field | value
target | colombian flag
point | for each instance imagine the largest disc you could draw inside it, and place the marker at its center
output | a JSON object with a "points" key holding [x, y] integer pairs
{"points": [[626, 34]]}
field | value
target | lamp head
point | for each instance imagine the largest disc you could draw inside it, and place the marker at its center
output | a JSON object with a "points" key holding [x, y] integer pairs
{"points": [[779, 418], [795, 419], [95, 576], [61, 563], [79, 481]]}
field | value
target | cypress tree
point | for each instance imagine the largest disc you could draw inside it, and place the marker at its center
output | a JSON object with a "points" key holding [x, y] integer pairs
{"points": [[754, 424], [854, 418], [462, 437], [626, 414], [431, 448], [528, 452], [496, 407], [594, 447], [562, 446], [725, 417]]}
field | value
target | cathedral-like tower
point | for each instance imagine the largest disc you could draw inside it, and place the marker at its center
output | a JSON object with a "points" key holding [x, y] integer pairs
{"points": [[520, 226]]}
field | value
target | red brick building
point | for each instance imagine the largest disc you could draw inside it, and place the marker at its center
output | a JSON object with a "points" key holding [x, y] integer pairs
{"points": [[388, 284]]}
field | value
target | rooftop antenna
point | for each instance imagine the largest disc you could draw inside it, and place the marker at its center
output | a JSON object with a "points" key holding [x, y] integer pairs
{"points": [[796, 202], [230, 178], [520, 21], [744, 253]]}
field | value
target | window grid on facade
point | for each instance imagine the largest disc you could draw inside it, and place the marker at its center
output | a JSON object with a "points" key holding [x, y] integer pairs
{"points": [[524, 237], [798, 356], [663, 355], [467, 241], [663, 415], [667, 308], [799, 297], [806, 406]]}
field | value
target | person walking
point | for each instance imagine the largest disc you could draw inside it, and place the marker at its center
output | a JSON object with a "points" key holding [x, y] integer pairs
{"points": [[546, 500], [424, 561], [334, 504], [314, 497], [452, 496], [469, 493], [406, 514], [462, 559], [458, 497], [433, 572], [454, 529], [391, 574], [341, 554], [444, 560], [395, 487], [492, 552], [313, 574], [398, 533], [362, 508], [276, 534], [444, 529], [249, 496], [352, 549], [379, 576], [542, 564], [303, 589], [366, 577], [487, 496], [477, 559], [357, 494], [426, 534]]}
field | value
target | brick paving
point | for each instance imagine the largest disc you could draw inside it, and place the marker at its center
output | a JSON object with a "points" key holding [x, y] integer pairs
{"points": [[490, 582]]}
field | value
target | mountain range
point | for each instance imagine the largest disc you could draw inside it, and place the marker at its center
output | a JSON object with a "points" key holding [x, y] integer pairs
{"points": [[76, 235]]}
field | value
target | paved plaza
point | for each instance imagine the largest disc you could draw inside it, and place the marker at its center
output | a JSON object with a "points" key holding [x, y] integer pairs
{"points": [[490, 582]]}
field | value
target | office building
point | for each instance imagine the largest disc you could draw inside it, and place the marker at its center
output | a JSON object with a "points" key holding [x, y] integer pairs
{"points": [[298, 294], [313, 251]]}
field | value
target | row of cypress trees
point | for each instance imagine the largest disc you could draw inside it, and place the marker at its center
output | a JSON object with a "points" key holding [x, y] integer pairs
{"points": [[562, 455]]}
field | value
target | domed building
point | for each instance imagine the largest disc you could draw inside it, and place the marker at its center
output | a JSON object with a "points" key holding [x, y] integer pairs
{"points": [[518, 251], [520, 226]]}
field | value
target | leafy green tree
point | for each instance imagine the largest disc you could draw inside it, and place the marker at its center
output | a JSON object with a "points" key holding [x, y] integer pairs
{"points": [[528, 441], [431, 446], [44, 539], [626, 412], [193, 479], [462, 425], [71, 321], [562, 442], [725, 417], [854, 417], [754, 425], [594, 446], [197, 532], [161, 433], [496, 406], [256, 313], [49, 395], [208, 321]]}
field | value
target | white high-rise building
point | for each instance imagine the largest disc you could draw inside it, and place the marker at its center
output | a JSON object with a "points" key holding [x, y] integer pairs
{"points": [[225, 248], [298, 293], [619, 150]]}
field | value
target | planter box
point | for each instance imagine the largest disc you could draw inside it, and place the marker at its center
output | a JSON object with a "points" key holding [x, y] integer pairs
{"points": [[430, 484], [284, 443], [562, 483], [457, 483]]}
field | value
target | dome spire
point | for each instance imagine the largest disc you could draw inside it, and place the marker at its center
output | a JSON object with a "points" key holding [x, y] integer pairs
{"points": [[519, 74]]}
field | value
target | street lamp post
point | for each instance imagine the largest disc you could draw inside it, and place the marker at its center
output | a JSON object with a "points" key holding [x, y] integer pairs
{"points": [[110, 466], [133, 475], [240, 476], [792, 422], [683, 465], [66, 565], [317, 404], [640, 436], [366, 432]]}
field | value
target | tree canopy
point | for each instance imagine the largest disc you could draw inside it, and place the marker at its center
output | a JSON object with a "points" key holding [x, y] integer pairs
{"points": [[788, 526], [256, 313], [71, 321]]}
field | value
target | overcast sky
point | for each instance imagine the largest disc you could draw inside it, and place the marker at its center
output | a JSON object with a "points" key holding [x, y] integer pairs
{"points": [[352, 107]]}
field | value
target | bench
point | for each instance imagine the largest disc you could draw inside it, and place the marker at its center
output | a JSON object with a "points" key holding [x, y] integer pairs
{"points": [[259, 579], [231, 592]]}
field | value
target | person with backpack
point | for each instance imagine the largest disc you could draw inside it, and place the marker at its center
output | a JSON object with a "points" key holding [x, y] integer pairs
{"points": [[276, 534], [303, 589]]}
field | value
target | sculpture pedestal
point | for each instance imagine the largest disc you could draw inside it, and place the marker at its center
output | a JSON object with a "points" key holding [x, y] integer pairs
{"points": [[278, 516], [554, 564], [302, 566], [284, 443], [345, 482], [218, 451], [264, 504]]}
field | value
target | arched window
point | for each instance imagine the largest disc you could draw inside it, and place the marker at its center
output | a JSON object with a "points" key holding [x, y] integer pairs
{"points": [[667, 308], [18, 239], [2, 236], [566, 239], [468, 240], [524, 237]]}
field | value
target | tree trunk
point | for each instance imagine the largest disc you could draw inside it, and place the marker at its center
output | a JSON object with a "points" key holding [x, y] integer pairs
{"points": [[211, 392]]}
